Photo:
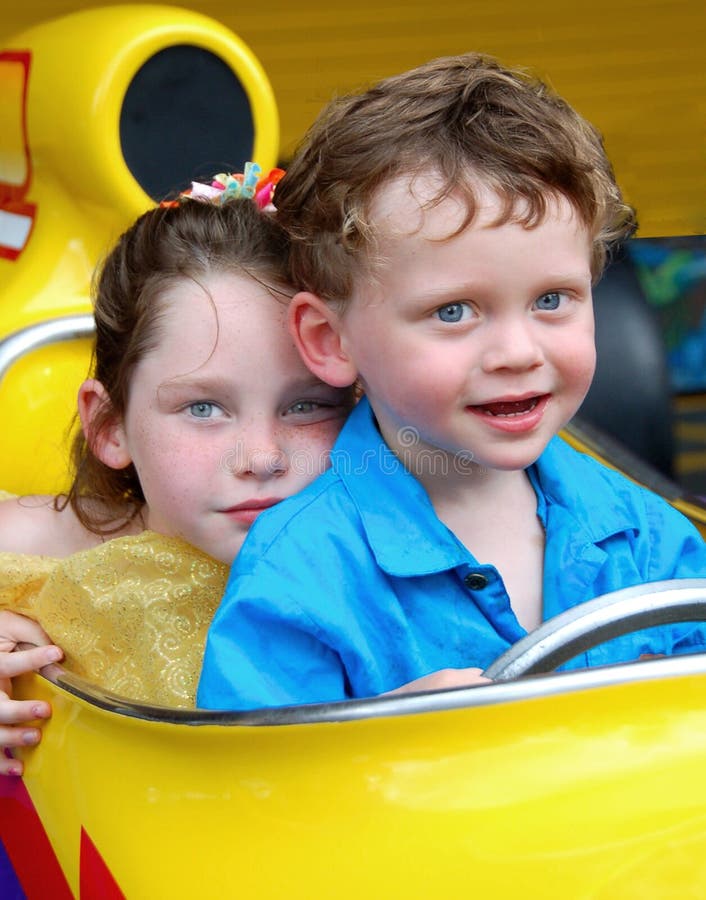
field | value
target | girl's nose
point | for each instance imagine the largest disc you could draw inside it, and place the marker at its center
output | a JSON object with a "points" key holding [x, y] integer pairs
{"points": [[265, 463], [258, 453]]}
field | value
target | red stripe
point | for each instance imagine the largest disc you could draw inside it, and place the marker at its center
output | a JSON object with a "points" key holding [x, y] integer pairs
{"points": [[13, 197], [97, 882], [14, 191], [27, 845]]}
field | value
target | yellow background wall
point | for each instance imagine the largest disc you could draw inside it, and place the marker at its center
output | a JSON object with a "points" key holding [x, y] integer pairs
{"points": [[634, 67]]}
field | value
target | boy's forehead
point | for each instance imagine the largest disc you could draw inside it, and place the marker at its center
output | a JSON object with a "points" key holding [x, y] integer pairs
{"points": [[402, 207], [410, 205]]}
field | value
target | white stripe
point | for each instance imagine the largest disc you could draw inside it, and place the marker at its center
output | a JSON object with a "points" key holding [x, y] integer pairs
{"points": [[14, 229]]}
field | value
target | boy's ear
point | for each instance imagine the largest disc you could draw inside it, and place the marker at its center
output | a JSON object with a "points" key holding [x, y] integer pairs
{"points": [[104, 431], [316, 329]]}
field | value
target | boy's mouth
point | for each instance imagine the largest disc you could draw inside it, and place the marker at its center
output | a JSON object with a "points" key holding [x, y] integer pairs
{"points": [[509, 407]]}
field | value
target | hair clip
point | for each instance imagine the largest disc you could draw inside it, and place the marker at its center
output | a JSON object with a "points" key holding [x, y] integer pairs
{"points": [[226, 186], [265, 189]]}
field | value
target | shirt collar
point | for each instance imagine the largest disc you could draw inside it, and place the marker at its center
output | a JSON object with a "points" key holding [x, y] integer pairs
{"points": [[402, 528], [565, 478], [406, 535]]}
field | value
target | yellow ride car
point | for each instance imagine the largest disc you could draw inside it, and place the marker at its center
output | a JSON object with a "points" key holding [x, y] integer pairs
{"points": [[586, 784]]}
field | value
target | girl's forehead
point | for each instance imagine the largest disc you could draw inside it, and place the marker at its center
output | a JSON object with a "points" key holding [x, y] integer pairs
{"points": [[225, 294], [229, 327], [216, 317]]}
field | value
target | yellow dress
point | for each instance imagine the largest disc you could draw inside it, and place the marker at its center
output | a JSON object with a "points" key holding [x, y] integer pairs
{"points": [[130, 614]]}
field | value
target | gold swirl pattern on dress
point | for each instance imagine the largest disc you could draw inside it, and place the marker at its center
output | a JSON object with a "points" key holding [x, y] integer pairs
{"points": [[131, 614]]}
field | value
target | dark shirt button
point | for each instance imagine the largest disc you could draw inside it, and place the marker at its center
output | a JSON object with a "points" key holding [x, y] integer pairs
{"points": [[475, 581]]}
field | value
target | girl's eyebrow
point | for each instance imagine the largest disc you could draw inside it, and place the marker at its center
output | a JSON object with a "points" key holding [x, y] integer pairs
{"points": [[195, 383], [309, 383], [206, 385]]}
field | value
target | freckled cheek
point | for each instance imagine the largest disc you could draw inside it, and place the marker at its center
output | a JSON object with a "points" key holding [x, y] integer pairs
{"points": [[169, 470], [324, 434], [315, 440]]}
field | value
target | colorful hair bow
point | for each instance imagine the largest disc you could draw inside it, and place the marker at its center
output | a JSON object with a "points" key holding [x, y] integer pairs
{"points": [[224, 186]]}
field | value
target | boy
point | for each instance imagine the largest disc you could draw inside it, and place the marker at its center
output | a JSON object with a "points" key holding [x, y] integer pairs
{"points": [[447, 226]]}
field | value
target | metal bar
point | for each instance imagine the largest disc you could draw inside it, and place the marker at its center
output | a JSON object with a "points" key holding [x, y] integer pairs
{"points": [[66, 328]]}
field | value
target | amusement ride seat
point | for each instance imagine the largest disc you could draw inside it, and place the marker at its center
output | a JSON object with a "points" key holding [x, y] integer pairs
{"points": [[630, 398]]}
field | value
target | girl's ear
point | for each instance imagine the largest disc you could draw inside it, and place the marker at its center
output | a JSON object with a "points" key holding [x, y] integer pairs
{"points": [[316, 329], [104, 431]]}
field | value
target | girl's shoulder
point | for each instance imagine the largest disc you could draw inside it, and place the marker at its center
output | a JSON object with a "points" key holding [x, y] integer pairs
{"points": [[36, 525]]}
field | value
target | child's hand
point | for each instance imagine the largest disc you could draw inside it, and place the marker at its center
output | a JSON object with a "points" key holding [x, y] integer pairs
{"points": [[19, 632], [443, 679]]}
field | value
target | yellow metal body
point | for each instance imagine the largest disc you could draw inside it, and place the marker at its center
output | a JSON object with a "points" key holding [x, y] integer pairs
{"points": [[62, 171], [581, 792]]}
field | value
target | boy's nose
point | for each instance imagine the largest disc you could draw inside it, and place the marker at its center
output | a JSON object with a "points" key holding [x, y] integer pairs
{"points": [[512, 344]]}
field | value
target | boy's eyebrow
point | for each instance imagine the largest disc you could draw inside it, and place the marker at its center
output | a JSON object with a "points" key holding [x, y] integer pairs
{"points": [[468, 284]]}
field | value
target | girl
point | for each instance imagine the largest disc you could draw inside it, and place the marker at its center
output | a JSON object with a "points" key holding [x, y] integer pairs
{"points": [[200, 416]]}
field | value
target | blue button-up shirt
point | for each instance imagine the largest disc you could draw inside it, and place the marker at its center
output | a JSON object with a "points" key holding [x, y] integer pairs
{"points": [[355, 586]]}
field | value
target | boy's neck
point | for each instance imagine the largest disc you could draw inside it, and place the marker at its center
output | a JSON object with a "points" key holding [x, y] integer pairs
{"points": [[494, 515], [473, 485]]}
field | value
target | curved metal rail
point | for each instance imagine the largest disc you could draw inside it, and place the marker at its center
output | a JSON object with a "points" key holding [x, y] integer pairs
{"points": [[33, 337], [589, 624]]}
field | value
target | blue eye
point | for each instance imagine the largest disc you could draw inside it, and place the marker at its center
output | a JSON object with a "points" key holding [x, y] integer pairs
{"points": [[549, 301], [453, 312], [330, 404], [304, 407], [202, 410]]}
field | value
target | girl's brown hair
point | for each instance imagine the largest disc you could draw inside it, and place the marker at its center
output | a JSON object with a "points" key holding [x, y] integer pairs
{"points": [[190, 239], [465, 119]]}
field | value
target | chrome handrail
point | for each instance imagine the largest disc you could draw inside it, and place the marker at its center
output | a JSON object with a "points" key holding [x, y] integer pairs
{"points": [[589, 624], [65, 328]]}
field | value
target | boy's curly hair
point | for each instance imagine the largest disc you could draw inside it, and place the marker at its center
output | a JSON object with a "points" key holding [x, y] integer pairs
{"points": [[466, 119]]}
